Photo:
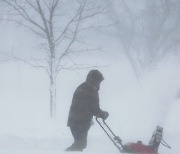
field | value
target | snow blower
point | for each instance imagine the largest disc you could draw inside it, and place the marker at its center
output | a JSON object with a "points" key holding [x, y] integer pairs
{"points": [[138, 147]]}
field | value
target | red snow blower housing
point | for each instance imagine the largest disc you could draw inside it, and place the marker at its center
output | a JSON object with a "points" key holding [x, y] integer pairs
{"points": [[138, 147]]}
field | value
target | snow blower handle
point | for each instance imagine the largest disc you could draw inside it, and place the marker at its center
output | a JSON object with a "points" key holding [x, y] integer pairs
{"points": [[115, 139]]}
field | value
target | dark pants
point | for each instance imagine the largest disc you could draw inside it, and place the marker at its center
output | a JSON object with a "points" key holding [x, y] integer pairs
{"points": [[80, 134]]}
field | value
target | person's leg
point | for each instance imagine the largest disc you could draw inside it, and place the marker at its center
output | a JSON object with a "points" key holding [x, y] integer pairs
{"points": [[80, 138]]}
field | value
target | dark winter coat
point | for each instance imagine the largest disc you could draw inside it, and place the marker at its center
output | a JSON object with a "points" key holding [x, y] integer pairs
{"points": [[85, 105]]}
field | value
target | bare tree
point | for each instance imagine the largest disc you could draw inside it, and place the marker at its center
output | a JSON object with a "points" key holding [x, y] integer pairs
{"points": [[147, 30], [59, 24]]}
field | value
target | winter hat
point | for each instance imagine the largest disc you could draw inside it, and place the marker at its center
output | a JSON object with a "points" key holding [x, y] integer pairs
{"points": [[95, 75]]}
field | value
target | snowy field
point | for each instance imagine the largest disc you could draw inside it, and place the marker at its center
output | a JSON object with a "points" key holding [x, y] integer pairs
{"points": [[135, 110], [55, 145]]}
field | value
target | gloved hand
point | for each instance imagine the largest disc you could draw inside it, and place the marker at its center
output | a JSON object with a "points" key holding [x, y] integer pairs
{"points": [[105, 115]]}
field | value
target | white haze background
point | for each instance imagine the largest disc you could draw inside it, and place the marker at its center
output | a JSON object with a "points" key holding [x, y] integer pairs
{"points": [[136, 107]]}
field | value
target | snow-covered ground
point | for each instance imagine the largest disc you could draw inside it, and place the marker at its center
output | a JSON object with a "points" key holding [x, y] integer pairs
{"points": [[54, 145], [135, 109]]}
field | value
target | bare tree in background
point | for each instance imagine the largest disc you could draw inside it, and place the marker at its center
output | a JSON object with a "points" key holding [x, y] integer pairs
{"points": [[147, 30], [58, 23]]}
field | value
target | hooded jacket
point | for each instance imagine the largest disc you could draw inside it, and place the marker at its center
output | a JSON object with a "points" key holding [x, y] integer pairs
{"points": [[85, 102]]}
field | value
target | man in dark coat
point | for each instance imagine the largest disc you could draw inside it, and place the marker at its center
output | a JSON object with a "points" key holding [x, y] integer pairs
{"points": [[85, 105]]}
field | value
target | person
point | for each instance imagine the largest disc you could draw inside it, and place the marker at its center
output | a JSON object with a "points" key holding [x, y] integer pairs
{"points": [[85, 105]]}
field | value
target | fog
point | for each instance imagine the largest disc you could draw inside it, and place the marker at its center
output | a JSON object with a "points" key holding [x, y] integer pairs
{"points": [[136, 102]]}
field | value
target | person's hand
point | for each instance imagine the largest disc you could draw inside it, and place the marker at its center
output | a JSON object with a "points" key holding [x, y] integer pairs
{"points": [[105, 115]]}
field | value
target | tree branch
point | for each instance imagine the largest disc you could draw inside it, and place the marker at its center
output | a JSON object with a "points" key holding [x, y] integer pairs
{"points": [[74, 35], [13, 57], [22, 12]]}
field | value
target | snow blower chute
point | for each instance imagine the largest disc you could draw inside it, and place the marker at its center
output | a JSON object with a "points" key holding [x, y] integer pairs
{"points": [[138, 147]]}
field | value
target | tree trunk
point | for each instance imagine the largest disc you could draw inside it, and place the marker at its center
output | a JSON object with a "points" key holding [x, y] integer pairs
{"points": [[53, 74], [52, 94]]}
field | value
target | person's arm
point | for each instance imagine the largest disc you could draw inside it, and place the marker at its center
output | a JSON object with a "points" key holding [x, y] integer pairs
{"points": [[93, 103]]}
